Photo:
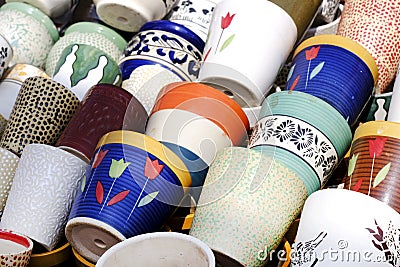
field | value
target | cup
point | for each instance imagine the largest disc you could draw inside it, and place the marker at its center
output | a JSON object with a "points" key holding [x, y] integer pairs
{"points": [[41, 112], [241, 183], [169, 44], [48, 179], [356, 229], [159, 249], [144, 79], [247, 76], [15, 249], [82, 66], [133, 185], [360, 20], [8, 166], [88, 33], [11, 84], [131, 15], [195, 15], [372, 165], [328, 66], [296, 129], [30, 32], [52, 8], [105, 108]]}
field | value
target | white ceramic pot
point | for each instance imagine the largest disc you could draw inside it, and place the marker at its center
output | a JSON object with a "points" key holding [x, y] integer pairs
{"points": [[52, 8], [165, 249]]}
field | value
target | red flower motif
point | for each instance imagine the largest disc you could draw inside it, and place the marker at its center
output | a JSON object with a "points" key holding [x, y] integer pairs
{"points": [[152, 168], [98, 158], [358, 185], [376, 146], [312, 53], [294, 83], [226, 21]]}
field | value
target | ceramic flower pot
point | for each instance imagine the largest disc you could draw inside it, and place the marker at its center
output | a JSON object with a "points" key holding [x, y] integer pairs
{"points": [[8, 165], [51, 8], [58, 256], [15, 249]]}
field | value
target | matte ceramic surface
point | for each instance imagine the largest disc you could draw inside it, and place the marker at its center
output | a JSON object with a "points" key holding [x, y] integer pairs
{"points": [[195, 15], [189, 130], [82, 66], [52, 8], [373, 169], [15, 249], [374, 26], [41, 112], [159, 249], [30, 33], [44, 187], [145, 82], [131, 15], [87, 33], [105, 108], [248, 75], [326, 66], [128, 191], [209, 103], [301, 11], [170, 44], [58, 256], [8, 166], [242, 195], [348, 223]]}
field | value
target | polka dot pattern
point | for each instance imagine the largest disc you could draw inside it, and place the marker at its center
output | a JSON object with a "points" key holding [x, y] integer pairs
{"points": [[41, 112], [376, 26], [8, 166]]}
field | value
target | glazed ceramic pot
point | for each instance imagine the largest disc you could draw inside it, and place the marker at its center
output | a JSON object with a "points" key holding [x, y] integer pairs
{"points": [[133, 185], [247, 76], [128, 15], [209, 103], [296, 129], [11, 84], [189, 130], [15, 249], [328, 66], [88, 33], [171, 45], [380, 108], [105, 108], [357, 229], [82, 66], [30, 32], [52, 8], [6, 54], [195, 15], [302, 12], [41, 112], [49, 177], [167, 249], [8, 166], [372, 166], [59, 256], [360, 21], [240, 184], [146, 79]]}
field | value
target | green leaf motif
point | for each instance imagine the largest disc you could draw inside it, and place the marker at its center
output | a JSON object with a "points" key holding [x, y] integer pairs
{"points": [[352, 164], [147, 199], [381, 175], [290, 74], [227, 42], [83, 184], [316, 70]]}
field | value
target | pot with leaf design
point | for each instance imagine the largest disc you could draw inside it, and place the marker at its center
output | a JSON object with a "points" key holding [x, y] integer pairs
{"points": [[245, 49], [132, 186], [373, 168]]}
